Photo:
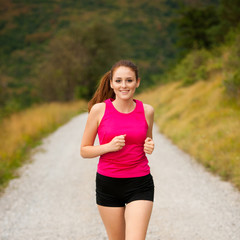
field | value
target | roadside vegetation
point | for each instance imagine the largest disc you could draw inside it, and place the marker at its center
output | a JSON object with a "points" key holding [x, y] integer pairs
{"points": [[53, 54], [22, 131], [198, 108]]}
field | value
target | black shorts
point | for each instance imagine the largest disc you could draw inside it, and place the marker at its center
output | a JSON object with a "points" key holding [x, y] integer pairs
{"points": [[116, 192]]}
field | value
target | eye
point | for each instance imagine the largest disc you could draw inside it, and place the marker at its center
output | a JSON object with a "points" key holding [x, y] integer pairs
{"points": [[129, 80], [118, 81]]}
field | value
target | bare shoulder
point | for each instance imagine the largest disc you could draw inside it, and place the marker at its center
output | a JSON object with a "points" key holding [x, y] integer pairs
{"points": [[149, 114], [97, 111], [98, 108], [148, 109]]}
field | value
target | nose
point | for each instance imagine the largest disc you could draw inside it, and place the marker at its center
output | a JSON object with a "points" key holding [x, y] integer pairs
{"points": [[123, 84]]}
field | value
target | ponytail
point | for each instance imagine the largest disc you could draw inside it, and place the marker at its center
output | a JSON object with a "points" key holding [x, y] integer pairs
{"points": [[103, 92]]}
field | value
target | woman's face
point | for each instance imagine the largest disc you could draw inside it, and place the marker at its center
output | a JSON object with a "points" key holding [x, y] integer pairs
{"points": [[124, 82]]}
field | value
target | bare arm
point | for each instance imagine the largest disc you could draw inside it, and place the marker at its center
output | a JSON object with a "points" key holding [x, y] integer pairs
{"points": [[87, 149], [149, 113], [149, 144]]}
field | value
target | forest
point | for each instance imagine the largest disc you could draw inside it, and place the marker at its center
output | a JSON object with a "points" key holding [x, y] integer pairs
{"points": [[53, 54], [58, 50]]}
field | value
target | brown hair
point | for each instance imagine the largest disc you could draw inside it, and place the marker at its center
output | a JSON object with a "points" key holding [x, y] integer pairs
{"points": [[104, 90]]}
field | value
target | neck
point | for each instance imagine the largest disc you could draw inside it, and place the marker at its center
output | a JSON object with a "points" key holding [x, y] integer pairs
{"points": [[124, 106]]}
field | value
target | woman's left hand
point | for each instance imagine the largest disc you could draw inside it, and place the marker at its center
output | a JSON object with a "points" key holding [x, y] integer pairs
{"points": [[148, 145]]}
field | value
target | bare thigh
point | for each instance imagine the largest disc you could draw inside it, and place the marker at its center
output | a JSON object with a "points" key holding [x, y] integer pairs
{"points": [[137, 216], [114, 222]]}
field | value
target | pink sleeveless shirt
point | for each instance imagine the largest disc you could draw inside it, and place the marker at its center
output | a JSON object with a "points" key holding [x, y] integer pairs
{"points": [[131, 160]]}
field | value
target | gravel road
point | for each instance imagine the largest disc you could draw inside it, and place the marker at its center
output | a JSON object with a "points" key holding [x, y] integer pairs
{"points": [[55, 196]]}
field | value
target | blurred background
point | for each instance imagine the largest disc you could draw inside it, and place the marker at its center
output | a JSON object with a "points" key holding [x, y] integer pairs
{"points": [[53, 54]]}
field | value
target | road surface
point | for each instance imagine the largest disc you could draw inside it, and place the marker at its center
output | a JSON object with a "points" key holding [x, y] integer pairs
{"points": [[54, 198]]}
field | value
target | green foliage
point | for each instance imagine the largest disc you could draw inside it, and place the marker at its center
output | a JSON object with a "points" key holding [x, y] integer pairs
{"points": [[232, 66], [208, 26], [229, 11], [2, 24], [232, 85], [195, 27], [75, 61], [32, 25], [193, 67], [229, 15], [25, 24], [147, 27], [233, 60], [199, 64]]}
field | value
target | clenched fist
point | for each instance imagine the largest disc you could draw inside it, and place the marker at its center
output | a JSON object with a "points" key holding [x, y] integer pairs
{"points": [[117, 143], [148, 145]]}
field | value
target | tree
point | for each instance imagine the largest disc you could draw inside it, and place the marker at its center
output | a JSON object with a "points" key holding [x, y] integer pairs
{"points": [[194, 27], [75, 61], [229, 12]]}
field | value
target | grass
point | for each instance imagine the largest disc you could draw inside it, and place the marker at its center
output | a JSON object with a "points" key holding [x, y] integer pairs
{"points": [[203, 121], [20, 132]]}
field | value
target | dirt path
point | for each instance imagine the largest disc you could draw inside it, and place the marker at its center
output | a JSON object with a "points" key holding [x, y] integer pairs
{"points": [[55, 196]]}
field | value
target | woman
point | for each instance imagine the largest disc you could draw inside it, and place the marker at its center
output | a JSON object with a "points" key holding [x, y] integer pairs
{"points": [[124, 184]]}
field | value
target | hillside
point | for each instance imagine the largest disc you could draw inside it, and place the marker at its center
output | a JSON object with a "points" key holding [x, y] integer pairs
{"points": [[27, 25], [146, 25], [27, 28], [202, 116], [197, 105]]}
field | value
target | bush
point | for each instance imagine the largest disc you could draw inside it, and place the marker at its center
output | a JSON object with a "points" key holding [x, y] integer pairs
{"points": [[232, 85], [232, 66], [233, 61], [193, 68], [75, 61]]}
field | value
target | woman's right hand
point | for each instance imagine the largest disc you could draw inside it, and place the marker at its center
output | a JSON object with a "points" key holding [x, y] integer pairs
{"points": [[117, 143]]}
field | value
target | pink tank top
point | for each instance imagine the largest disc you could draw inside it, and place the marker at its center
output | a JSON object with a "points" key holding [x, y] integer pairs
{"points": [[131, 160]]}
